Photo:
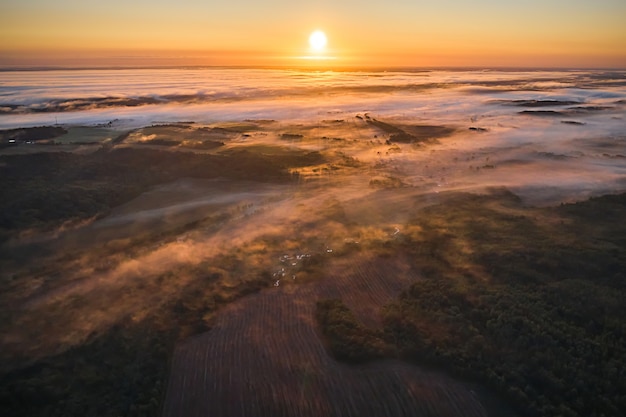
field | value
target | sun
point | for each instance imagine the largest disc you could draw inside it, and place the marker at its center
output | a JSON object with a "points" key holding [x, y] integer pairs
{"points": [[318, 41]]}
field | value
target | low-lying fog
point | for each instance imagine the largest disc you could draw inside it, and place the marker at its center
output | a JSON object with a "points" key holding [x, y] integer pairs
{"points": [[549, 137]]}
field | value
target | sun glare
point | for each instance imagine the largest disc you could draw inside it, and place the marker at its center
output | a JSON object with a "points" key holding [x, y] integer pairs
{"points": [[317, 40]]}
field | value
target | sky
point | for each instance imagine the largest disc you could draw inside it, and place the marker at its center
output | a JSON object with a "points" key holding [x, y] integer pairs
{"points": [[392, 33]]}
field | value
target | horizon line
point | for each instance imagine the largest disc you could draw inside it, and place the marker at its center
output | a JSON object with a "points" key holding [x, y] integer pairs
{"points": [[304, 67]]}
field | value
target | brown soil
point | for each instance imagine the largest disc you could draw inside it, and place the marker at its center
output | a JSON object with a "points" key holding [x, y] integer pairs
{"points": [[264, 357]]}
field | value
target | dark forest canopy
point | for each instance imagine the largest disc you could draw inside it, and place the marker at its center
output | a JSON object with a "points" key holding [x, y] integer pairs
{"points": [[528, 302], [542, 322]]}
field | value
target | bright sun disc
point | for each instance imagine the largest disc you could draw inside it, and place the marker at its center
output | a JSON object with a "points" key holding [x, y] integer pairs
{"points": [[317, 40]]}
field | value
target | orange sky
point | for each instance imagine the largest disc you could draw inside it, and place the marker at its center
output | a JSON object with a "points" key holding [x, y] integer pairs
{"points": [[533, 33]]}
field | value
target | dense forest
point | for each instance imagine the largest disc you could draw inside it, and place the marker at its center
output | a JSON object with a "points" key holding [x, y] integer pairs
{"points": [[44, 189], [124, 370], [528, 302]]}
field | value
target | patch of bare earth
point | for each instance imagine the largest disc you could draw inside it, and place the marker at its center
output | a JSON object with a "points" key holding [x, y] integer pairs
{"points": [[264, 357]]}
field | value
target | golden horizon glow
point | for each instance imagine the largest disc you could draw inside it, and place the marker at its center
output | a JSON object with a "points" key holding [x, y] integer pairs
{"points": [[537, 33]]}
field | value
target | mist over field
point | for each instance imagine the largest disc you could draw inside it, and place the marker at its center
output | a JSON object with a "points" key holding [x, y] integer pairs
{"points": [[570, 122], [282, 242], [134, 98]]}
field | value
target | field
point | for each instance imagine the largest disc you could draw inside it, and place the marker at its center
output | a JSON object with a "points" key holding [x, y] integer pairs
{"points": [[343, 267], [265, 357]]}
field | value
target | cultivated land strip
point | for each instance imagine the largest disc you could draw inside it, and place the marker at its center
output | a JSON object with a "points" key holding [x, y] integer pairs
{"points": [[265, 357]]}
